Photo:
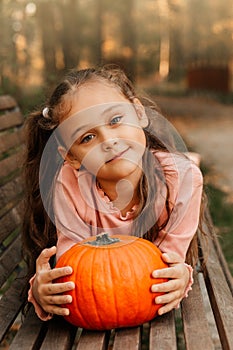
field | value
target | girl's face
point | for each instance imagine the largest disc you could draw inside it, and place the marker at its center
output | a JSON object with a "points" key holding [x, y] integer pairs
{"points": [[107, 132]]}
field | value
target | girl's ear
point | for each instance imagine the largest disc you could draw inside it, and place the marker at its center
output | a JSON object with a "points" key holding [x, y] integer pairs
{"points": [[68, 156], [143, 119]]}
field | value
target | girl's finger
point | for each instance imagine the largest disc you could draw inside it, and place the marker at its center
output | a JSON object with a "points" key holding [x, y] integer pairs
{"points": [[168, 298], [60, 272], [168, 307], [57, 310], [57, 288], [170, 272], [172, 258], [44, 257], [57, 300], [47, 276], [165, 287]]}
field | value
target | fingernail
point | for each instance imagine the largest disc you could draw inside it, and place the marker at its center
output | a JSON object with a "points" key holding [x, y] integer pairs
{"points": [[68, 270], [155, 273], [154, 288], [69, 299], [71, 285], [66, 312]]}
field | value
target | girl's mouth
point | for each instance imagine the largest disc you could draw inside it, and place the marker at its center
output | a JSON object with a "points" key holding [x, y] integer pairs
{"points": [[117, 156]]}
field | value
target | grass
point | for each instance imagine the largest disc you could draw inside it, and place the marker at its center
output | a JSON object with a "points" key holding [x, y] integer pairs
{"points": [[221, 210]]}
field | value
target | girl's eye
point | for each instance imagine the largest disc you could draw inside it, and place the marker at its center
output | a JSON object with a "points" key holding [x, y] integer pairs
{"points": [[87, 138], [116, 120]]}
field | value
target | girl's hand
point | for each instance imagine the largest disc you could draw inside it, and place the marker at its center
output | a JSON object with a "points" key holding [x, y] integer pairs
{"points": [[178, 275], [47, 293]]}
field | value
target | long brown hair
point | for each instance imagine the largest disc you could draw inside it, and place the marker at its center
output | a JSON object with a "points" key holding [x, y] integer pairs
{"points": [[38, 228]]}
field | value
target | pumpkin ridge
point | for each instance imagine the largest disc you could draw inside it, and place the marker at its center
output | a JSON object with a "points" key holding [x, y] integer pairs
{"points": [[131, 254], [75, 303], [144, 312], [147, 245], [100, 321], [131, 271], [84, 314], [141, 250], [112, 260]]}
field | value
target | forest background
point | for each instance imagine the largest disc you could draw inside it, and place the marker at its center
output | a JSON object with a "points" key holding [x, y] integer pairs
{"points": [[157, 42]]}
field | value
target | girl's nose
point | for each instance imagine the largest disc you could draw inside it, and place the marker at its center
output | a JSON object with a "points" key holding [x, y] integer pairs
{"points": [[109, 144]]}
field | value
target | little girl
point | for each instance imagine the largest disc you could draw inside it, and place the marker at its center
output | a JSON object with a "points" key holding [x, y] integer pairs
{"points": [[97, 161]]}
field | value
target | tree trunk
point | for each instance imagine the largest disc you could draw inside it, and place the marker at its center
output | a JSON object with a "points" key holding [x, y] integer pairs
{"points": [[45, 15]]}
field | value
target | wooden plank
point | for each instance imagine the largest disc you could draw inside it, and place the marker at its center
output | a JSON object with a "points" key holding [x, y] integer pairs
{"points": [[10, 191], [10, 139], [215, 246], [93, 340], [7, 102], [60, 335], [11, 119], [11, 303], [11, 164], [223, 263], [127, 338], [10, 222], [163, 332], [220, 298], [195, 321], [10, 259], [30, 334]]}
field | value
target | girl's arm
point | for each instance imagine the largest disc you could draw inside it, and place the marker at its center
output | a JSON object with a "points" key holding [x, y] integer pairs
{"points": [[175, 239], [46, 295]]}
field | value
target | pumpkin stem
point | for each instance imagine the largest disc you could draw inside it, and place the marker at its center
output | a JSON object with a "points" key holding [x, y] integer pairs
{"points": [[103, 239]]}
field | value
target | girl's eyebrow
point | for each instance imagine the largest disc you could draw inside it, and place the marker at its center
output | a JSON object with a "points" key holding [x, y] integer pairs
{"points": [[115, 106], [105, 111]]}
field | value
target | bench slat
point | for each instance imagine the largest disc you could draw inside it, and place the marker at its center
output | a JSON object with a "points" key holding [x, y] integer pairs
{"points": [[10, 165], [127, 339], [60, 335], [220, 298], [223, 263], [10, 222], [163, 332], [7, 102], [11, 119], [195, 321], [9, 140], [10, 191], [10, 260], [30, 334], [11, 303], [93, 340]]}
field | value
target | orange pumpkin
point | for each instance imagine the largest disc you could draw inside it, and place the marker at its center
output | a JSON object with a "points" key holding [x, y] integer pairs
{"points": [[112, 277]]}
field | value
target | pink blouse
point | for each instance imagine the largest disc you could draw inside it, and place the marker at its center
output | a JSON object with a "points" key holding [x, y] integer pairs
{"points": [[83, 210]]}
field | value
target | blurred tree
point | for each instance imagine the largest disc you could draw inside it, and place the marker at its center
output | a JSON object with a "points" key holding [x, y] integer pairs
{"points": [[46, 23], [208, 38], [98, 33], [128, 35], [40, 39], [70, 32], [164, 16]]}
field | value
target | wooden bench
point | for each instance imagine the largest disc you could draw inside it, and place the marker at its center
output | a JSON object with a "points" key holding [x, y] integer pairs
{"points": [[204, 321]]}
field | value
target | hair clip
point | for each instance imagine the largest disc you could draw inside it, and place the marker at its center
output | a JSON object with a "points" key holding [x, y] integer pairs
{"points": [[45, 112]]}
